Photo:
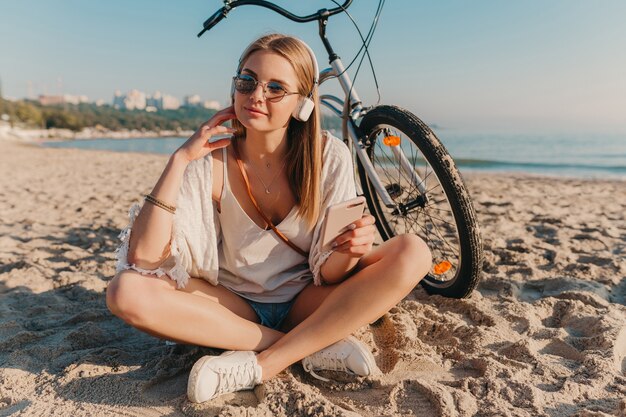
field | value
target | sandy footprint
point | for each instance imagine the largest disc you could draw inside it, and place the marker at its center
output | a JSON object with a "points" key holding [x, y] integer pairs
{"points": [[421, 398], [601, 336], [593, 293], [410, 400], [287, 396]]}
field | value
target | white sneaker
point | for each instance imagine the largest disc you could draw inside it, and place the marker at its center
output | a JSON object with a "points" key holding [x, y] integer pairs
{"points": [[347, 355], [229, 372]]}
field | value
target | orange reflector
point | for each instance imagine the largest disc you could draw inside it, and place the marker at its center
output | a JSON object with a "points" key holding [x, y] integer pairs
{"points": [[391, 140], [442, 267]]}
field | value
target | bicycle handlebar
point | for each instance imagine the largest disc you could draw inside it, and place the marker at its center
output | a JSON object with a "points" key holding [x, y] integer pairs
{"points": [[213, 20], [221, 13]]}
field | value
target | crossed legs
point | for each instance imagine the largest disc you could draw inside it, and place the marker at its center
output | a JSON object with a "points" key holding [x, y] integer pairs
{"points": [[199, 314], [213, 316]]}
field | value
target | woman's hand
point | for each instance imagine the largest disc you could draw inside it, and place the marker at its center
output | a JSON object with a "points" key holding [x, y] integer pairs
{"points": [[357, 241], [198, 146]]}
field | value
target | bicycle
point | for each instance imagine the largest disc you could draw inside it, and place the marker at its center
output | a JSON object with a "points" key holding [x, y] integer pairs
{"points": [[396, 154]]}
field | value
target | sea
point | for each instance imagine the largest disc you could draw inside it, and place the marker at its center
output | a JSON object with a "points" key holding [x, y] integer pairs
{"points": [[589, 156]]}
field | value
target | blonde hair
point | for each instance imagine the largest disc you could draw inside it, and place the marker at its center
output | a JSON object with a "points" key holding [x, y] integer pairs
{"points": [[304, 141]]}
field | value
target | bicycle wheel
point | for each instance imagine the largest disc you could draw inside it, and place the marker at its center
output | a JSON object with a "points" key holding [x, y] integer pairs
{"points": [[434, 205]]}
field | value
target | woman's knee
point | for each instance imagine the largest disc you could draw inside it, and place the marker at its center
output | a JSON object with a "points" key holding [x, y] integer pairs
{"points": [[129, 292], [414, 254]]}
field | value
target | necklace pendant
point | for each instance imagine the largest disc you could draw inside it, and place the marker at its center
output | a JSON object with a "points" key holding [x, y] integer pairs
{"points": [[267, 191]]}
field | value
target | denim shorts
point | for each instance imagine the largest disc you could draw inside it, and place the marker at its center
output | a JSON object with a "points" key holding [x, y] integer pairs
{"points": [[271, 314]]}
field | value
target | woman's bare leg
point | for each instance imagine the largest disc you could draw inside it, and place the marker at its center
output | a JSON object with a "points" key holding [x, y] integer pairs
{"points": [[307, 301], [200, 314], [385, 276]]}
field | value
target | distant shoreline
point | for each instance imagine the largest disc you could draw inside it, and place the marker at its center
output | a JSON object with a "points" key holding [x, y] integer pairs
{"points": [[39, 136]]}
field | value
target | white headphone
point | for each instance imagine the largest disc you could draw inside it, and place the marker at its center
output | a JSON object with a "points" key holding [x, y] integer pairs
{"points": [[305, 105]]}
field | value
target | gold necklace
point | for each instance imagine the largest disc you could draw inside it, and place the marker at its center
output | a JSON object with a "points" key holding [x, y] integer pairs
{"points": [[267, 187]]}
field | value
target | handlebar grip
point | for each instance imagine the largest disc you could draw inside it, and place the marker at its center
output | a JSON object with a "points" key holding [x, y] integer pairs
{"points": [[213, 20]]}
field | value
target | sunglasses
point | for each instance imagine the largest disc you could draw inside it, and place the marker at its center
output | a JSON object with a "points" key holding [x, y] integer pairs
{"points": [[272, 90]]}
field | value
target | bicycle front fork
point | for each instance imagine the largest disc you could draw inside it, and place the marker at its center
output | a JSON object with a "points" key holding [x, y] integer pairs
{"points": [[388, 192]]}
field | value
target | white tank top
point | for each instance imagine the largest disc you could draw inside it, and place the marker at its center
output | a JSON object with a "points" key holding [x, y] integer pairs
{"points": [[255, 263]]}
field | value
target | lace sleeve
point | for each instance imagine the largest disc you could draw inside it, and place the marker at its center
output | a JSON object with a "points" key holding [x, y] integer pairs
{"points": [[171, 267]]}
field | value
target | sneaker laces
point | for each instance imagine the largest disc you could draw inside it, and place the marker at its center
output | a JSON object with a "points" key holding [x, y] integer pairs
{"points": [[234, 378], [328, 363]]}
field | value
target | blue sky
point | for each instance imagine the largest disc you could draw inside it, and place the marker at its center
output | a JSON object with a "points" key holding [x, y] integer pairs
{"points": [[536, 65]]}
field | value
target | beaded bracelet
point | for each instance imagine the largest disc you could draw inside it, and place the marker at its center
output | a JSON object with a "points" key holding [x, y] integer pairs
{"points": [[152, 199]]}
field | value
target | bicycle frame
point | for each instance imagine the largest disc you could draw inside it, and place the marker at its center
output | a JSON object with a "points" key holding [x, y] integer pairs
{"points": [[353, 111], [356, 143]]}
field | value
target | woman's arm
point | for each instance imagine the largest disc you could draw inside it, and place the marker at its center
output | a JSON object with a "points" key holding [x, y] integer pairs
{"points": [[149, 244], [151, 232], [350, 247], [337, 267]]}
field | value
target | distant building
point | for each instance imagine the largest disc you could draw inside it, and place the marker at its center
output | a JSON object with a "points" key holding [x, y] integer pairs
{"points": [[212, 104], [159, 101], [170, 103], [118, 100], [50, 100], [75, 99], [45, 100], [135, 99], [196, 101], [193, 101], [154, 102]]}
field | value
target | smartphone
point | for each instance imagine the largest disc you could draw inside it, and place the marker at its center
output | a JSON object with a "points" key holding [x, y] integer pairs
{"points": [[338, 218]]}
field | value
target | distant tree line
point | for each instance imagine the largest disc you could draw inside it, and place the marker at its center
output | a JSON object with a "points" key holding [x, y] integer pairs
{"points": [[30, 113]]}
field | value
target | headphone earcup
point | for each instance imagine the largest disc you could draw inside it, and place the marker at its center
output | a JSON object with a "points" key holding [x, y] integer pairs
{"points": [[303, 110]]}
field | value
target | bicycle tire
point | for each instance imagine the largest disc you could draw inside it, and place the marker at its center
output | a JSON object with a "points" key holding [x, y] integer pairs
{"points": [[458, 283]]}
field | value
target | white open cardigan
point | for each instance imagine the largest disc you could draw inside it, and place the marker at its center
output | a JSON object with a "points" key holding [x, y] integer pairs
{"points": [[196, 228]]}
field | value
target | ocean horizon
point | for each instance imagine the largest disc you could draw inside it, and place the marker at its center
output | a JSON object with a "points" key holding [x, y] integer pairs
{"points": [[580, 155]]}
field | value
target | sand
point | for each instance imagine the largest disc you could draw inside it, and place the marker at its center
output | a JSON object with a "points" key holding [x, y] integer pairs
{"points": [[544, 334]]}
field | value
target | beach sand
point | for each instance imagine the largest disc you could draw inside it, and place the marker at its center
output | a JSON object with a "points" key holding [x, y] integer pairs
{"points": [[544, 334]]}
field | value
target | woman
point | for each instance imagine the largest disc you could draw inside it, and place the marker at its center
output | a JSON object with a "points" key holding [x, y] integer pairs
{"points": [[219, 275]]}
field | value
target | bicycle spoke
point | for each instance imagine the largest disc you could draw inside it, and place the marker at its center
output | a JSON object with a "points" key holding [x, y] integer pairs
{"points": [[428, 191], [401, 174], [441, 237], [438, 248], [431, 216], [433, 246], [441, 220], [426, 175], [435, 202], [384, 170], [437, 230], [429, 207], [452, 225]]}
